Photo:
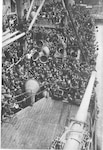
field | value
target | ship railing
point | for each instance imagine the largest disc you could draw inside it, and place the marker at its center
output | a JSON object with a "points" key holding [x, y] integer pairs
{"points": [[77, 126]]}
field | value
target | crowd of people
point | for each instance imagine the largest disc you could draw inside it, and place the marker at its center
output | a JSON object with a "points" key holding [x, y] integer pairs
{"points": [[64, 74], [53, 13], [10, 22]]}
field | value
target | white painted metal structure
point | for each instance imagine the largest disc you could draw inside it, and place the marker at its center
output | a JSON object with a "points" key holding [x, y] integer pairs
{"points": [[75, 138], [13, 39], [6, 32], [9, 36]]}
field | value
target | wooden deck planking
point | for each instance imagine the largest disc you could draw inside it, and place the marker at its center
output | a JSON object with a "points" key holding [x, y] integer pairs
{"points": [[35, 127]]}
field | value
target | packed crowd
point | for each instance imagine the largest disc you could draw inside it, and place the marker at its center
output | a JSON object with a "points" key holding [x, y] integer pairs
{"points": [[63, 73], [10, 22], [53, 13]]}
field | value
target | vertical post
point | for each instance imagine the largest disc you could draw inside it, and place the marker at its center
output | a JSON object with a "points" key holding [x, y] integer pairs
{"points": [[19, 9], [32, 98], [78, 56]]}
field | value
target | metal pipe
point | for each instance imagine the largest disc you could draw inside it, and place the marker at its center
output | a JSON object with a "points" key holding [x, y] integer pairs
{"points": [[13, 39], [34, 19], [6, 32], [9, 36], [75, 138], [31, 6], [83, 109]]}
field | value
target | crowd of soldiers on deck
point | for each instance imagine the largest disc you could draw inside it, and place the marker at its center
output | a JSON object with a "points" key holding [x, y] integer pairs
{"points": [[65, 72]]}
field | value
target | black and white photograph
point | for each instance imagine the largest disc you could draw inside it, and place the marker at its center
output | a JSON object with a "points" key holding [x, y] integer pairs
{"points": [[52, 74]]}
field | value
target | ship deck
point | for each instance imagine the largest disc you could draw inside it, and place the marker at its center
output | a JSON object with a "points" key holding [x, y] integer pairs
{"points": [[37, 126]]}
